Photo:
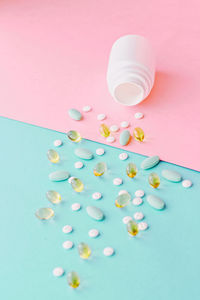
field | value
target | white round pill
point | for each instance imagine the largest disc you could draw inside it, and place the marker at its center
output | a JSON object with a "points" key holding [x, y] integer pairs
{"points": [[108, 251], [142, 226], [123, 156], [100, 151], [68, 245], [96, 196], [57, 143], [76, 206], [126, 219], [138, 215], [124, 124], [117, 181], [114, 128], [138, 115], [122, 192], [139, 193], [110, 139], [67, 229], [78, 165], [186, 183], [87, 108], [93, 233], [70, 179], [57, 272], [137, 201], [101, 117]]}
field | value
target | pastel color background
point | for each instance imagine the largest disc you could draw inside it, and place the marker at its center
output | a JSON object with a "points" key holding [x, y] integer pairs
{"points": [[54, 56], [161, 263]]}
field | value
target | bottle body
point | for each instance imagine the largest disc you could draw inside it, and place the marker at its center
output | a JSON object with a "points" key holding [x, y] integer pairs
{"points": [[131, 69]]}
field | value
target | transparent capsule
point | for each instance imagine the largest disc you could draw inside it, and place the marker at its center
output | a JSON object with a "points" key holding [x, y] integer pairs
{"points": [[100, 169], [53, 156], [138, 134], [74, 136], [44, 213], [84, 250], [154, 180], [53, 196], [104, 130], [77, 185], [73, 279], [132, 228], [131, 170], [123, 200]]}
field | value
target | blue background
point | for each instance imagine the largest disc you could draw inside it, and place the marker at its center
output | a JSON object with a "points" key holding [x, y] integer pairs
{"points": [[160, 263]]}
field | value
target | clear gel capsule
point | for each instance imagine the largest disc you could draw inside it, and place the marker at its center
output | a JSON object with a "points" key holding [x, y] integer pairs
{"points": [[104, 130], [77, 185], [123, 200], [74, 136], [100, 169], [84, 250], [138, 134], [44, 213], [53, 156], [53, 196], [131, 170], [73, 279], [132, 228], [154, 180]]}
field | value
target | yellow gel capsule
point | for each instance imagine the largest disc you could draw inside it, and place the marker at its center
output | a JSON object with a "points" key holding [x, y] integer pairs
{"points": [[53, 196], [138, 134], [84, 250], [100, 169], [154, 180], [77, 185], [104, 130], [132, 228], [73, 279], [44, 213], [53, 156], [131, 170], [122, 200], [74, 136]]}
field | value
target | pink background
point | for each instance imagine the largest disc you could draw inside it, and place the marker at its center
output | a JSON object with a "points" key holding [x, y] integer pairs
{"points": [[54, 54]]}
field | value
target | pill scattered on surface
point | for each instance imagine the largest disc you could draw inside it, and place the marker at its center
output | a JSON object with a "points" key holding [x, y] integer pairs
{"points": [[53, 196], [100, 151], [114, 128], [186, 183], [78, 165], [110, 139], [137, 201], [59, 175], [131, 170], [68, 245], [171, 175], [76, 206], [53, 156], [57, 143], [155, 202], [67, 229], [138, 115], [142, 226], [126, 219], [138, 215], [150, 162], [108, 251], [93, 233], [138, 134], [75, 114], [139, 193], [44, 213], [83, 153], [73, 279], [87, 108], [96, 196], [117, 181], [124, 138], [104, 130], [77, 185], [132, 228], [154, 180], [95, 213], [74, 136], [84, 251], [122, 200], [122, 192], [100, 169], [123, 156], [70, 179], [101, 117], [124, 124], [57, 272]]}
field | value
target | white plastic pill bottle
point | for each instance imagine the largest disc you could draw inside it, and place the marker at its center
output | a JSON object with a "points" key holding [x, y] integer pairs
{"points": [[131, 69]]}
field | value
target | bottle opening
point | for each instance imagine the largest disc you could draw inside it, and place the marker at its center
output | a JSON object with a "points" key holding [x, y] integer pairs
{"points": [[128, 93]]}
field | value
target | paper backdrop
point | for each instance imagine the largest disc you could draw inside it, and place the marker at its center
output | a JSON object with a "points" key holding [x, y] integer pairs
{"points": [[54, 56]]}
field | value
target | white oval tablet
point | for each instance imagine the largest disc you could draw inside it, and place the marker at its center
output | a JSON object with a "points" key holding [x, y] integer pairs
{"points": [[100, 151], [93, 233], [67, 229], [76, 206], [114, 128], [126, 219], [110, 139], [122, 192], [96, 196], [137, 201], [68, 245], [123, 156], [70, 179], [186, 183], [138, 215], [101, 117], [57, 272], [108, 251], [138, 115], [117, 181], [139, 193], [78, 165], [87, 108], [57, 143], [142, 226], [124, 124]]}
